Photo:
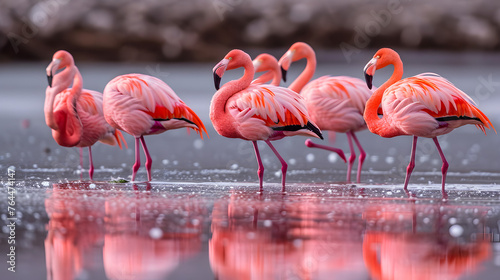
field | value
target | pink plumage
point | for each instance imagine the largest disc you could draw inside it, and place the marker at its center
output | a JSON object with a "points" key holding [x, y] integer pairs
{"points": [[425, 105], [143, 105], [75, 115], [336, 104], [257, 112]]}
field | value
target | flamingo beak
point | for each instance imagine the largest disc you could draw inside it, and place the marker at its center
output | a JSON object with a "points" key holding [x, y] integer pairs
{"points": [[283, 74], [218, 71], [285, 62], [51, 70], [369, 71], [49, 79]]}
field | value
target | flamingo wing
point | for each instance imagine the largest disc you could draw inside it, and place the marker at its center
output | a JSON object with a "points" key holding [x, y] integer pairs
{"points": [[337, 103], [273, 107], [155, 105], [435, 96]]}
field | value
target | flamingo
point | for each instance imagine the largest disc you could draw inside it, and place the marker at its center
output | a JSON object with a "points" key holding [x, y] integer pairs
{"points": [[268, 64], [426, 105], [255, 112], [143, 105], [75, 115], [336, 104]]}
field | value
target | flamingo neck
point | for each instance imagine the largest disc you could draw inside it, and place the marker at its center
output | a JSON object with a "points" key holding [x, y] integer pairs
{"points": [[375, 124], [65, 123], [306, 74], [224, 122]]}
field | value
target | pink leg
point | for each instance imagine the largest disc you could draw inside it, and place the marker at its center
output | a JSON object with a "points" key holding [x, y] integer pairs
{"points": [[137, 163], [311, 144], [149, 161], [81, 163], [444, 168], [361, 159], [352, 157], [411, 165], [260, 171], [284, 166], [91, 165]]}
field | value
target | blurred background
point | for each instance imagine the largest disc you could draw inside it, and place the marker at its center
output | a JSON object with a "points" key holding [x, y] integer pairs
{"points": [[204, 30]]}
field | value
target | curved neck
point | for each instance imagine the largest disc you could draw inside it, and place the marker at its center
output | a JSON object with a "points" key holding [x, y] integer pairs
{"points": [[65, 123], [306, 74], [371, 117], [230, 88]]}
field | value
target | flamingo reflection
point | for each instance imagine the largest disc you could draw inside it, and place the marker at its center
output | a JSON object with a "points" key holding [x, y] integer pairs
{"points": [[256, 237], [142, 235], [408, 241]]}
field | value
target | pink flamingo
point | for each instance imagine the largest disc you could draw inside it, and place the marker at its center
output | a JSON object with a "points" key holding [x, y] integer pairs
{"points": [[257, 112], [74, 114], [144, 105], [425, 105], [336, 104], [268, 64]]}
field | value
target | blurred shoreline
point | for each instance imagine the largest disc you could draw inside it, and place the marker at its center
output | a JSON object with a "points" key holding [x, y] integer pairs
{"points": [[204, 30]]}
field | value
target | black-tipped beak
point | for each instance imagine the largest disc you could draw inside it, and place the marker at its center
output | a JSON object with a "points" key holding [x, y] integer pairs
{"points": [[217, 79], [49, 79], [369, 79], [283, 74]]}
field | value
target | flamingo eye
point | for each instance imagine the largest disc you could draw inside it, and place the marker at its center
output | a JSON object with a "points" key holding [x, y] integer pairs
{"points": [[230, 58], [377, 57]]}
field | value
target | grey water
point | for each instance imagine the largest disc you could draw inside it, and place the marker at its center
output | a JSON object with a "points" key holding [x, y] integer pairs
{"points": [[203, 217]]}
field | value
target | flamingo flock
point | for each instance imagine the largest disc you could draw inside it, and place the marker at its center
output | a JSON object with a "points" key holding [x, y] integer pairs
{"points": [[426, 105]]}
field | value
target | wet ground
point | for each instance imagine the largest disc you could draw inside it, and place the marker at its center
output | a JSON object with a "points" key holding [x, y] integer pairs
{"points": [[203, 217]]}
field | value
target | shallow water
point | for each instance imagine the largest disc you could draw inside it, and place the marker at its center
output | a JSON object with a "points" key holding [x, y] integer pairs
{"points": [[203, 216]]}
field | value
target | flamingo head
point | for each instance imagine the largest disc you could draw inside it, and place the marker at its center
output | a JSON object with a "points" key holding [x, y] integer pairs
{"points": [[381, 59], [60, 60], [234, 59], [296, 52], [265, 62]]}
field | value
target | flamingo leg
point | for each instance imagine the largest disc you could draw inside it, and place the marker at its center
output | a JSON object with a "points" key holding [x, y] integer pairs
{"points": [[284, 166], [352, 157], [361, 159], [137, 163], [260, 171], [311, 144], [411, 165], [444, 168], [81, 163], [91, 165], [149, 161]]}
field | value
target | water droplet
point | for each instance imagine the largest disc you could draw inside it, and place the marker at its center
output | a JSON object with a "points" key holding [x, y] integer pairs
{"points": [[332, 157], [92, 186], [195, 222], [292, 161], [456, 230], [452, 220], [198, 144], [155, 233], [310, 157], [297, 243], [268, 223], [389, 160], [165, 161], [45, 184], [234, 166]]}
